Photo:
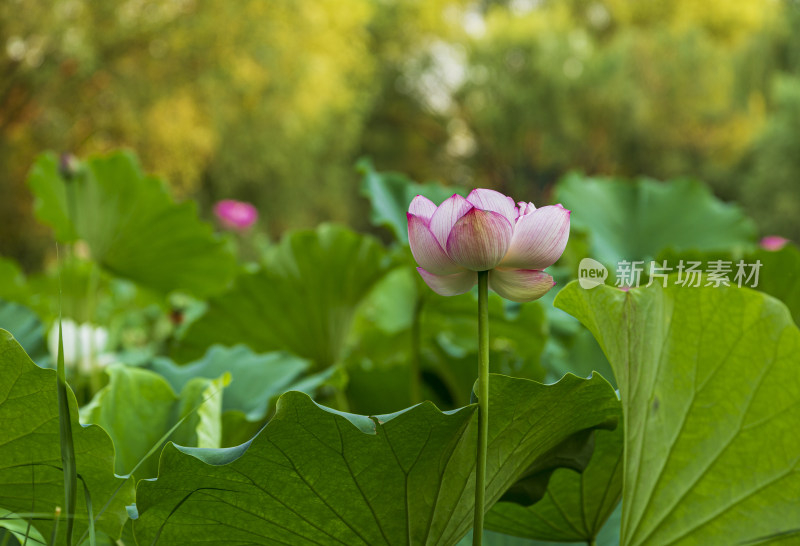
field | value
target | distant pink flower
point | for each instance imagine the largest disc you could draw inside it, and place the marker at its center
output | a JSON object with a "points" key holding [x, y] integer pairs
{"points": [[236, 215], [487, 232], [773, 242]]}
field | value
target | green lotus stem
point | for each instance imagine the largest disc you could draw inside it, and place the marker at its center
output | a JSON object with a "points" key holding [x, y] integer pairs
{"points": [[54, 533], [483, 405], [415, 387], [66, 440]]}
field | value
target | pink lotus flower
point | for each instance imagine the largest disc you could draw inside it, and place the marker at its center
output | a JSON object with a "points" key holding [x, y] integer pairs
{"points": [[236, 215], [773, 242], [486, 231]]}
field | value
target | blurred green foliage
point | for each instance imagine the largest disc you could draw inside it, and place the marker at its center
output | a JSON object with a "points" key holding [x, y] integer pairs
{"points": [[353, 323], [272, 102]]}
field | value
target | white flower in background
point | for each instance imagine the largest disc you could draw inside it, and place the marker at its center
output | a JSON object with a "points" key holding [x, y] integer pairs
{"points": [[84, 345]]}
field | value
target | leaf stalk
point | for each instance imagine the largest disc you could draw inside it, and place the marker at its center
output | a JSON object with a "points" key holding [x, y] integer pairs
{"points": [[483, 406]]}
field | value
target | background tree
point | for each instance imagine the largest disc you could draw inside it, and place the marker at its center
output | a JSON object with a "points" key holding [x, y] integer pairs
{"points": [[274, 101]]}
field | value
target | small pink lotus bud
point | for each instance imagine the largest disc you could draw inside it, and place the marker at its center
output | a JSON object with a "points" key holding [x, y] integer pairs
{"points": [[773, 242], [236, 215]]}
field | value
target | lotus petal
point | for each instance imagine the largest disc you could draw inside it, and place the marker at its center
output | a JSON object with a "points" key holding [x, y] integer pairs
{"points": [[525, 208], [422, 207], [446, 216], [495, 202], [520, 285], [426, 249], [479, 240], [539, 239], [449, 285]]}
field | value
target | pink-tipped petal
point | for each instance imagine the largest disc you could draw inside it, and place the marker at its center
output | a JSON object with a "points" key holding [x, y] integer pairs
{"points": [[449, 285], [422, 207], [494, 201], [426, 249], [525, 208], [479, 240], [520, 285], [539, 238], [446, 216], [773, 242]]}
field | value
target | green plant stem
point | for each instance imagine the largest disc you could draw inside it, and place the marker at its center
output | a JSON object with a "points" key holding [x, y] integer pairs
{"points": [[65, 429], [483, 405], [416, 380], [95, 373], [56, 520]]}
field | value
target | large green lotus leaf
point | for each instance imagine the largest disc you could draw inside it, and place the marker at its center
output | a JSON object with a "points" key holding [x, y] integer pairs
{"points": [[238, 427], [575, 351], [391, 305], [63, 291], [131, 224], [777, 275], [256, 382], [315, 476], [710, 389], [381, 347], [517, 332], [31, 479], [25, 326], [375, 389], [16, 527], [12, 281], [570, 347], [255, 378], [492, 538], [380, 375], [53, 205], [576, 505], [138, 407], [608, 536], [39, 292], [301, 300], [390, 194], [635, 220], [517, 337], [384, 339]]}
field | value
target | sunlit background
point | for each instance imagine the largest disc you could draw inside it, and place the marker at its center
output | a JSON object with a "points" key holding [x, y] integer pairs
{"points": [[273, 102], [299, 131]]}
